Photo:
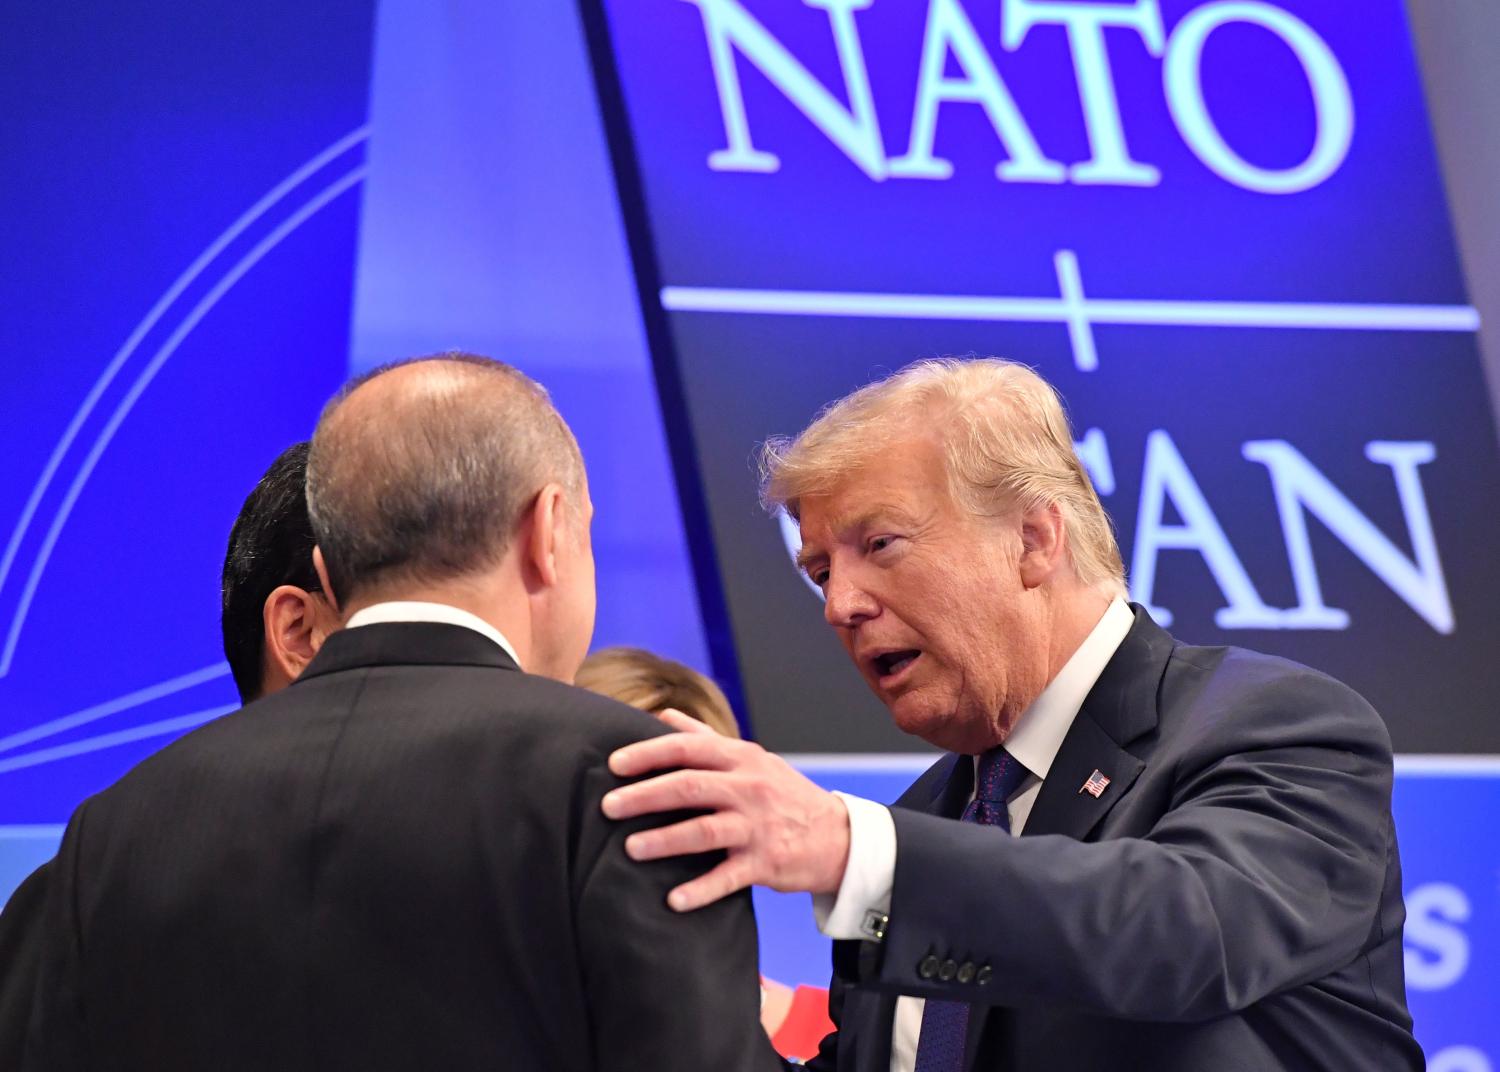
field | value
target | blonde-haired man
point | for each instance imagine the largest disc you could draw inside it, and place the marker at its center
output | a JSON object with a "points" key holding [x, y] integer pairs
{"points": [[1208, 876]]}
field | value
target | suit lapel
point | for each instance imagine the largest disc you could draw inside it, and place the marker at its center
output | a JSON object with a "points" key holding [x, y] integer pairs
{"points": [[1064, 806], [953, 797], [1120, 708]]}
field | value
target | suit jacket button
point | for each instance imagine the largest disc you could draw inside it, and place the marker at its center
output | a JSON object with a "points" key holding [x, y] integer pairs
{"points": [[966, 972], [948, 970], [929, 966], [984, 975]]}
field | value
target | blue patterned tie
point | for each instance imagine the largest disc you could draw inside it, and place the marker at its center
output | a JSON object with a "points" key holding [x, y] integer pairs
{"points": [[945, 1024]]}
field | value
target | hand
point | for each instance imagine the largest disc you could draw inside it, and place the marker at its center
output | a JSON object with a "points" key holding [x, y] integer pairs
{"points": [[779, 829]]}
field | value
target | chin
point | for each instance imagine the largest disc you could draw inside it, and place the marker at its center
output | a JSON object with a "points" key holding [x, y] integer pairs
{"points": [[943, 727], [936, 727]]}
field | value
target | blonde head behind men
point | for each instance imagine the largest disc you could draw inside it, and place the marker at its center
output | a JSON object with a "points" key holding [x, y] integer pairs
{"points": [[651, 683]]}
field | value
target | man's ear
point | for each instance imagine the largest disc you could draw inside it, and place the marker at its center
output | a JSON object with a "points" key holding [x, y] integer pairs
{"points": [[1044, 545], [295, 629], [543, 531], [321, 569]]}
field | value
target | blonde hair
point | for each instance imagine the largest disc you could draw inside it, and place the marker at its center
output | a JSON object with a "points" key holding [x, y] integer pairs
{"points": [[1005, 439], [650, 683]]}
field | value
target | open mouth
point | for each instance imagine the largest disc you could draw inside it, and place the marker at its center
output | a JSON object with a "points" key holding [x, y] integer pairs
{"points": [[893, 664]]}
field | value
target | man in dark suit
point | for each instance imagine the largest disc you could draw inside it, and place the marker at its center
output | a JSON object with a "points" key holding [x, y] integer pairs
{"points": [[397, 862], [1207, 876]]}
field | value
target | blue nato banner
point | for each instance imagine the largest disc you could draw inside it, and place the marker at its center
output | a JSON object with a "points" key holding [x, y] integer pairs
{"points": [[1219, 229]]}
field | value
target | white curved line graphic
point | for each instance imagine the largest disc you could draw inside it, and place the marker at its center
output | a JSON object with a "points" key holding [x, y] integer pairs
{"points": [[113, 707], [110, 740], [209, 300], [183, 281]]}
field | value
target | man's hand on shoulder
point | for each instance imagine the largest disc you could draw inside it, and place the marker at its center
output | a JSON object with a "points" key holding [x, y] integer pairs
{"points": [[778, 828]]}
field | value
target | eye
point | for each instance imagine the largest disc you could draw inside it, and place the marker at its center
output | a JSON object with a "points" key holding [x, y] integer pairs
{"points": [[818, 575], [880, 543]]}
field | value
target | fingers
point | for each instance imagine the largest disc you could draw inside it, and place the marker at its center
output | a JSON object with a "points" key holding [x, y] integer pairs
{"points": [[706, 833], [676, 791], [705, 751], [683, 723], [729, 877]]}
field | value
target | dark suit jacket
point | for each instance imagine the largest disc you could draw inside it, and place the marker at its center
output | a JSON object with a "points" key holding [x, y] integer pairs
{"points": [[397, 863], [20, 953], [1231, 901]]}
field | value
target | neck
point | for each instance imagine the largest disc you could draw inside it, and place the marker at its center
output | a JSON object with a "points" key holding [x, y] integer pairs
{"points": [[1075, 614], [488, 596]]}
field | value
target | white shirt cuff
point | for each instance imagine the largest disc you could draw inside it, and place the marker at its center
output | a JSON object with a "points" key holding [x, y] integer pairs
{"points": [[869, 876]]}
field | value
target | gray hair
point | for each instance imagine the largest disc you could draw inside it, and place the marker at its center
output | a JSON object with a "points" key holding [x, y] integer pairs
{"points": [[1005, 439], [421, 470]]}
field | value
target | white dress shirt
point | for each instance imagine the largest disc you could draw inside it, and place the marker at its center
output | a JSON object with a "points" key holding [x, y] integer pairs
{"points": [[414, 611], [1034, 742]]}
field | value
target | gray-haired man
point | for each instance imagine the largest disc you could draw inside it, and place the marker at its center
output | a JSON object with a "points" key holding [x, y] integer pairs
{"points": [[398, 861]]}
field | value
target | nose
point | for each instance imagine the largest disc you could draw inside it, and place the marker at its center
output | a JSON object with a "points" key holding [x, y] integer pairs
{"points": [[847, 604]]}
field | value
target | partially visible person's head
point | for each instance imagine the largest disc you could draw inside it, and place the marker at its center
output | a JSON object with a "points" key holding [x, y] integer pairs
{"points": [[648, 682], [274, 616], [957, 539], [454, 474]]}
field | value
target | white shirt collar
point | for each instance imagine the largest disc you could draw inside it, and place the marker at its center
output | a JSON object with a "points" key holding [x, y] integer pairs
{"points": [[1040, 730], [415, 611]]}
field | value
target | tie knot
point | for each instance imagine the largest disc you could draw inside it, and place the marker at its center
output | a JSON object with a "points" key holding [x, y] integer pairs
{"points": [[998, 776]]}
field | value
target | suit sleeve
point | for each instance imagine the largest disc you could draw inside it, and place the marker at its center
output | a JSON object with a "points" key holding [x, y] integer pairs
{"points": [[665, 990], [1265, 872]]}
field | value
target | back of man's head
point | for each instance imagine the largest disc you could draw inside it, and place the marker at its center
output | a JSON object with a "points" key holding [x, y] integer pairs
{"points": [[270, 545], [422, 469]]}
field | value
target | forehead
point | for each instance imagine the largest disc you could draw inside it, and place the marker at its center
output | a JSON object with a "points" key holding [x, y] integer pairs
{"points": [[906, 481]]}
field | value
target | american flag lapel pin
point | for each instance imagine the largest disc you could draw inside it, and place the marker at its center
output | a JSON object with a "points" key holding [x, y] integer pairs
{"points": [[1097, 783]]}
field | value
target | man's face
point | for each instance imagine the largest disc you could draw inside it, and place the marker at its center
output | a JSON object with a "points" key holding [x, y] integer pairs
{"points": [[927, 598]]}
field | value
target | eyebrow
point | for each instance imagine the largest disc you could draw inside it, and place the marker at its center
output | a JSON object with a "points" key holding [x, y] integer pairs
{"points": [[806, 558], [861, 521]]}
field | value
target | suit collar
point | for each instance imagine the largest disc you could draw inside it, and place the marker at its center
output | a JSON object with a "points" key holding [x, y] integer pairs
{"points": [[953, 795], [406, 644], [1119, 709], [408, 610], [1123, 700]]}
